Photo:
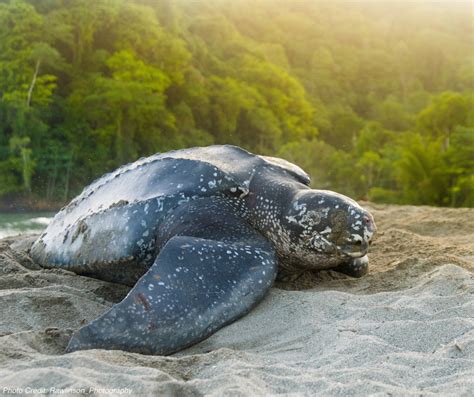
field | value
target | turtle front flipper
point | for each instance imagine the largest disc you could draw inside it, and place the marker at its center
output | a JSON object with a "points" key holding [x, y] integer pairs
{"points": [[195, 286], [357, 267]]}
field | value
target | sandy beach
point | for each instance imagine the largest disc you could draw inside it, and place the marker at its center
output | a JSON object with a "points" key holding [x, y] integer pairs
{"points": [[405, 329]]}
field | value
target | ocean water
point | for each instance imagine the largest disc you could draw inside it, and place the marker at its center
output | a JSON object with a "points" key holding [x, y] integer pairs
{"points": [[12, 224]]}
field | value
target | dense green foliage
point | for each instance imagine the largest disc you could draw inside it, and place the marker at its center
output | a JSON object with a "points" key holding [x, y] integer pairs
{"points": [[374, 100]]}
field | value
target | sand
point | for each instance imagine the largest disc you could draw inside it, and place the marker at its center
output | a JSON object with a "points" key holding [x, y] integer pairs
{"points": [[405, 329]]}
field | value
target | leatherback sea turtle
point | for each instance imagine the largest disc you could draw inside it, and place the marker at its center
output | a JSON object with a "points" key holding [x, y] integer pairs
{"points": [[199, 233]]}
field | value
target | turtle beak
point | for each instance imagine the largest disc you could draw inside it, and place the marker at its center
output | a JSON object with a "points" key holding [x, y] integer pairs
{"points": [[356, 249], [358, 245]]}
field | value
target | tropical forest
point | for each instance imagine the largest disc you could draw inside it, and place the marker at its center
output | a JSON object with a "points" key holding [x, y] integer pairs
{"points": [[374, 99]]}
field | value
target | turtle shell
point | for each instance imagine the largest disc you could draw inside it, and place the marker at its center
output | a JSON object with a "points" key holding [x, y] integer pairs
{"points": [[114, 221]]}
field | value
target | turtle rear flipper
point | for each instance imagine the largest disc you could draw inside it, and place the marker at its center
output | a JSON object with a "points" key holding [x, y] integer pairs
{"points": [[195, 287]]}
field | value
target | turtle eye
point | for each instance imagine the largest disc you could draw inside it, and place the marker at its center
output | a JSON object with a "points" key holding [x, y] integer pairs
{"points": [[369, 222]]}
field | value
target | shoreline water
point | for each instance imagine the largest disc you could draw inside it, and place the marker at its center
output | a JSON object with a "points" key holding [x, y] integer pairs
{"points": [[21, 223]]}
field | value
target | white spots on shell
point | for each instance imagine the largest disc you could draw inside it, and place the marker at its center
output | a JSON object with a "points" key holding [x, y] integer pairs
{"points": [[326, 230], [367, 234], [291, 219], [320, 243], [299, 207], [160, 204]]}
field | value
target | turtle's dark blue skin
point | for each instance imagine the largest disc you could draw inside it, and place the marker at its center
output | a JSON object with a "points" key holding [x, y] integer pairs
{"points": [[200, 235]]}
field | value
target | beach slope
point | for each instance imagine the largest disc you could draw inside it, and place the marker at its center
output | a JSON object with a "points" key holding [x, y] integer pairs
{"points": [[405, 329]]}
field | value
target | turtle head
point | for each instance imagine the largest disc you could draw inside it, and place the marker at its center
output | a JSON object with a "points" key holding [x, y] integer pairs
{"points": [[329, 224]]}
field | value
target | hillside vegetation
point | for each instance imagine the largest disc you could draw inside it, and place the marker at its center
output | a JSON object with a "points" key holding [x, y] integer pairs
{"points": [[373, 99]]}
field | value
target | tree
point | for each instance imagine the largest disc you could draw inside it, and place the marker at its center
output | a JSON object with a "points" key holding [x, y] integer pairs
{"points": [[374, 100], [460, 160], [344, 128], [127, 109], [446, 111], [21, 158], [421, 171]]}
